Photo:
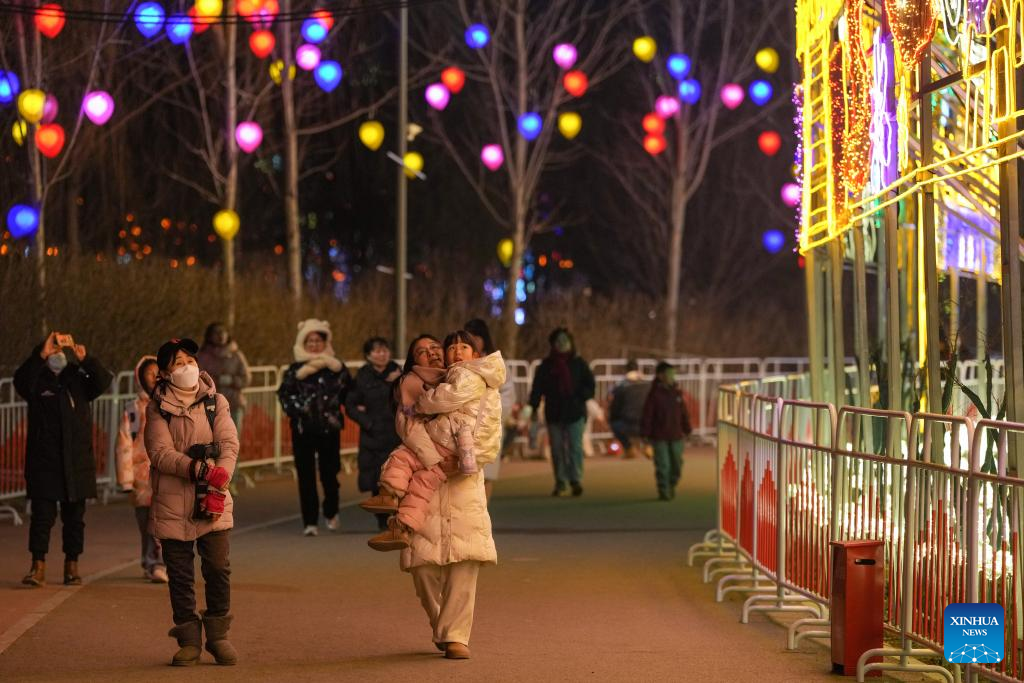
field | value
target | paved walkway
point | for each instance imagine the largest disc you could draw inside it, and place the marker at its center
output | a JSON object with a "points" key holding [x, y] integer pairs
{"points": [[592, 588]]}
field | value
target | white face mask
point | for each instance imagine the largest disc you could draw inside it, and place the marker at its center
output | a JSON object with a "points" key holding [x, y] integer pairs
{"points": [[57, 362], [185, 377]]}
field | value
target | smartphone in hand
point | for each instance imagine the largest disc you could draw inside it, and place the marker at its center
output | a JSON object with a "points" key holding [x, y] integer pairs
{"points": [[65, 341]]}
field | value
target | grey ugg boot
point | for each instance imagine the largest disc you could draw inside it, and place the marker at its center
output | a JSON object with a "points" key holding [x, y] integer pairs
{"points": [[217, 643], [190, 643]]}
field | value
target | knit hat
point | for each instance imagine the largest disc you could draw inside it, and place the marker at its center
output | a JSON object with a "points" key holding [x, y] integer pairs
{"points": [[306, 327], [169, 350]]}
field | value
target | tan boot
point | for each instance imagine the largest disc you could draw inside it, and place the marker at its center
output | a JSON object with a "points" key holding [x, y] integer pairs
{"points": [[71, 577], [217, 643], [37, 575], [381, 504], [456, 651], [190, 643], [395, 537]]}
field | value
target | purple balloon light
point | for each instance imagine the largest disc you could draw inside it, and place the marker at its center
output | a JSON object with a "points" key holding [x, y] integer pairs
{"points": [[307, 57], [249, 135], [49, 109], [666, 107], [791, 194], [492, 156], [732, 95], [564, 55], [438, 96], [98, 106]]}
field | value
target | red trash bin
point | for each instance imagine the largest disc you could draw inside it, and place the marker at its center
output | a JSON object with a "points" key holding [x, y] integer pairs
{"points": [[858, 586]]}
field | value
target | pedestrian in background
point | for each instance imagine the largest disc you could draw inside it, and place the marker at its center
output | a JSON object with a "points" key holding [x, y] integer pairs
{"points": [[666, 423], [311, 393], [221, 358], [59, 381], [627, 409], [133, 465], [369, 404], [565, 382]]}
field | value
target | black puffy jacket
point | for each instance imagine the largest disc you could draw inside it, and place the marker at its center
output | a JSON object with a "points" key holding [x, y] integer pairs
{"points": [[314, 404], [371, 391]]}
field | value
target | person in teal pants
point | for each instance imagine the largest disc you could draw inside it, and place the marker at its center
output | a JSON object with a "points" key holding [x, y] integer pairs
{"points": [[665, 424]]}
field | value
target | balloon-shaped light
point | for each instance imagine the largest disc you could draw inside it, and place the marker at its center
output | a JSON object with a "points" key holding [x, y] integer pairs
{"points": [[654, 144], [678, 65], [50, 139], [453, 78], [653, 124], [564, 55], [324, 17], [50, 109], [575, 83], [9, 87], [477, 36], [413, 162], [31, 104], [307, 57], [226, 223], [178, 28], [50, 19], [438, 96], [689, 91], [767, 60], [569, 124], [327, 75], [276, 70], [371, 134], [760, 92], [209, 8], [506, 249], [314, 31], [262, 43], [19, 131], [529, 125], [645, 48], [773, 241], [666, 107], [149, 18], [22, 220], [790, 194], [200, 24], [769, 142], [732, 95], [248, 135], [492, 156], [98, 106]]}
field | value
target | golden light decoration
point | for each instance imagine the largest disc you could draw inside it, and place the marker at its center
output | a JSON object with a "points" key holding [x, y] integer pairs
{"points": [[19, 131], [506, 249], [226, 223], [413, 162], [371, 134], [209, 8], [912, 23], [276, 70], [767, 60], [856, 160], [644, 48], [31, 104], [569, 124]]}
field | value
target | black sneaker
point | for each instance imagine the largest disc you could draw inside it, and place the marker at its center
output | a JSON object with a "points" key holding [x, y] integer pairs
{"points": [[559, 490], [577, 490]]}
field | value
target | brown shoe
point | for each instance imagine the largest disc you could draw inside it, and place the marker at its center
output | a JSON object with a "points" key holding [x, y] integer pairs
{"points": [[456, 651], [71, 577], [382, 504], [37, 575], [392, 538]]}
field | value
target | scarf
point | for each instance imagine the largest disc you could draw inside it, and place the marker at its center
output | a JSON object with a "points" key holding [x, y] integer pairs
{"points": [[186, 397], [561, 373], [317, 363]]}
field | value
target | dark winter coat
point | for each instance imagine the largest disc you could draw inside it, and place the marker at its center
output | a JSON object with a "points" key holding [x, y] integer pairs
{"points": [[229, 370], [59, 460], [377, 435], [314, 403], [557, 407], [627, 408], [665, 416]]}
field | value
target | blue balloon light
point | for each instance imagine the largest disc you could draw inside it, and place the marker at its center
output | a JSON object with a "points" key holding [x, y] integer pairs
{"points": [[179, 29], [9, 87], [773, 241], [22, 220], [760, 92], [149, 18], [314, 31], [477, 36], [689, 91], [530, 125], [678, 66], [328, 75]]}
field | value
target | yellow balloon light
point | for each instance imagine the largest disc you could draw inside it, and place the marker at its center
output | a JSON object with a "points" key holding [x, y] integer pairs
{"points": [[226, 223], [569, 124], [505, 249], [18, 131], [413, 162], [277, 69], [31, 104], [645, 48], [371, 134], [767, 60], [209, 8]]}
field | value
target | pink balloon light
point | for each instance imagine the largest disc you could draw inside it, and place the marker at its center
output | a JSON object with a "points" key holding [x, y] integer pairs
{"points": [[492, 156], [564, 55], [307, 57], [791, 194], [666, 107], [50, 109], [438, 96], [249, 135], [98, 106], [732, 95]]}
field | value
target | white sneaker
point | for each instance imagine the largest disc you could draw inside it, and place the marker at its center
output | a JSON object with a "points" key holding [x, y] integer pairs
{"points": [[332, 524], [310, 530], [158, 575]]}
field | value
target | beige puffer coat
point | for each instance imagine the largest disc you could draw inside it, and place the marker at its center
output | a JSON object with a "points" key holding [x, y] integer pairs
{"points": [[458, 527], [167, 442]]}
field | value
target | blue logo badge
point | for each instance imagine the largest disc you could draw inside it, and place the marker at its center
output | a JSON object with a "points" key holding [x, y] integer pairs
{"points": [[973, 633]]}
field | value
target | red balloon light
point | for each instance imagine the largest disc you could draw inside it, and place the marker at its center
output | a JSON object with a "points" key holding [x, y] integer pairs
{"points": [[453, 79], [50, 139], [654, 125], [326, 18], [575, 83], [262, 43], [654, 144], [200, 24], [50, 19], [769, 142]]}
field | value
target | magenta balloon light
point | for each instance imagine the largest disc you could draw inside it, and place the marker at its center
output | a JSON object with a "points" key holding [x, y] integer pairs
{"points": [[307, 57], [791, 194], [732, 95], [249, 135], [492, 156], [50, 109], [438, 96], [98, 106], [666, 107], [564, 55]]}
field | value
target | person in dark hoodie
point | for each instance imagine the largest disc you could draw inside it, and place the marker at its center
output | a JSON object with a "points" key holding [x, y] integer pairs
{"points": [[59, 381], [221, 358], [565, 382], [665, 423]]}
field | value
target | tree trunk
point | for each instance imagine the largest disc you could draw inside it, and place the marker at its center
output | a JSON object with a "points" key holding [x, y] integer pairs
{"points": [[291, 166], [675, 261], [72, 191], [231, 191]]}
